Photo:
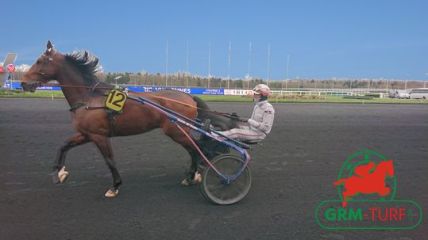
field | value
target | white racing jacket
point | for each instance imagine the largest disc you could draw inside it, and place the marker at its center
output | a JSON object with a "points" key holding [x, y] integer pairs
{"points": [[262, 117], [259, 125]]}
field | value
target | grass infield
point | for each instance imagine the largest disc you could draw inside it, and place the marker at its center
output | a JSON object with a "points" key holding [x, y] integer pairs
{"points": [[221, 98]]}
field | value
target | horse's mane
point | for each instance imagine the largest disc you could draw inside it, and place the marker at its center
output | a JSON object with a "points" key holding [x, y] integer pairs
{"points": [[86, 63]]}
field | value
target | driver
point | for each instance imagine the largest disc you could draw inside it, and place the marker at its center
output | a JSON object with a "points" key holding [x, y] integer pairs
{"points": [[260, 123]]}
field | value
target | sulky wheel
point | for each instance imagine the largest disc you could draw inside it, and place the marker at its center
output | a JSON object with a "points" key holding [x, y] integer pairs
{"points": [[215, 189]]}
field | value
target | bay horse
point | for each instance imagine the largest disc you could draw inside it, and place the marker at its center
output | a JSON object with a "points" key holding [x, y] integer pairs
{"points": [[85, 94]]}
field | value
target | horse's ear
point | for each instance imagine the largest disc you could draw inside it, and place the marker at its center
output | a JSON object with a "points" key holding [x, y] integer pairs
{"points": [[49, 48]]}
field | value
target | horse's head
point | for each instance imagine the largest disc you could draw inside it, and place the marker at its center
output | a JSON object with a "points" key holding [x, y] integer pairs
{"points": [[43, 70]]}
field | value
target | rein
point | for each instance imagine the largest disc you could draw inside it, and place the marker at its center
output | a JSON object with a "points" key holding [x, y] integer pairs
{"points": [[78, 86], [228, 115]]}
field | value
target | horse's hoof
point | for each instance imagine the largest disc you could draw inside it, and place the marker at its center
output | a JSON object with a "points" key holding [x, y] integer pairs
{"points": [[63, 175], [185, 182], [111, 193], [55, 178], [196, 180]]}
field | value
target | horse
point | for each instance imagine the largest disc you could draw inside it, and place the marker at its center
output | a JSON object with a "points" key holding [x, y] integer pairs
{"points": [[368, 179], [85, 94]]}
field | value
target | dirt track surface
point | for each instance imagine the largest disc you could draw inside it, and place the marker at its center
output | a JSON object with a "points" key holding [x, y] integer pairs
{"points": [[293, 171]]}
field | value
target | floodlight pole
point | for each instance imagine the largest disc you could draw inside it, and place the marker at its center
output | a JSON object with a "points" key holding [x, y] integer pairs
{"points": [[268, 65], [166, 64], [229, 61], [250, 53], [425, 82], [286, 72], [187, 64]]}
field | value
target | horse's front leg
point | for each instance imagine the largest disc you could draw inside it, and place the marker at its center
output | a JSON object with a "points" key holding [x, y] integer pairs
{"points": [[104, 145], [60, 174]]}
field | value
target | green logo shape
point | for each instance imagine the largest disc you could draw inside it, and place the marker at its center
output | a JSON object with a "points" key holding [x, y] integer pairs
{"points": [[359, 218], [367, 211]]}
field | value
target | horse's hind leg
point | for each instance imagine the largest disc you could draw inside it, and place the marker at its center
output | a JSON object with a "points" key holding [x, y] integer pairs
{"points": [[210, 148], [60, 175], [104, 145], [179, 137], [193, 176]]}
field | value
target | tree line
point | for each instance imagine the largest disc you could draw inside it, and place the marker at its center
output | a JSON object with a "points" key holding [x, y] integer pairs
{"points": [[189, 80]]}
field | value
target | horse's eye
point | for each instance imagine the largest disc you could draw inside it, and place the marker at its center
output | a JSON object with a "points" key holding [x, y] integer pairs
{"points": [[38, 61]]}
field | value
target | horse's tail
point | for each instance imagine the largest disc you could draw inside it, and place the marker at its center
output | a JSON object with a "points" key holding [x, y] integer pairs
{"points": [[200, 103], [202, 106], [219, 121]]}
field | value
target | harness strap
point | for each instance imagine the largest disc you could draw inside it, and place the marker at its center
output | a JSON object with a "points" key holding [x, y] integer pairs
{"points": [[94, 108], [111, 117], [95, 86], [76, 106]]}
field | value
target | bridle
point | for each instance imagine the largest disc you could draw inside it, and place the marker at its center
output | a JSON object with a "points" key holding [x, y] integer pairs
{"points": [[95, 86]]}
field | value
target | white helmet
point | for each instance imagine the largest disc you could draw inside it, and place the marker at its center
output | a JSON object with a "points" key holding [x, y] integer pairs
{"points": [[262, 89]]}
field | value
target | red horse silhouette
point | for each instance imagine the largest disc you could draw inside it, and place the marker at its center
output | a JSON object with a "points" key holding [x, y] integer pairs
{"points": [[368, 179]]}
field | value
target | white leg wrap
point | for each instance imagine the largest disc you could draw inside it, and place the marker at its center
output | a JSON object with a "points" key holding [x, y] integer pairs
{"points": [[62, 175], [197, 178], [111, 193]]}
